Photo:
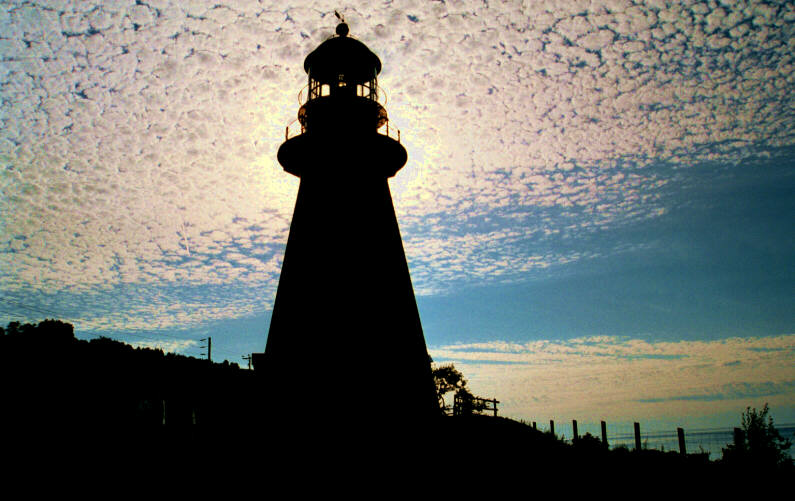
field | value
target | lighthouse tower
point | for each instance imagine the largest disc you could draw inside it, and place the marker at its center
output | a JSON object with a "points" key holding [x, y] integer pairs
{"points": [[345, 340]]}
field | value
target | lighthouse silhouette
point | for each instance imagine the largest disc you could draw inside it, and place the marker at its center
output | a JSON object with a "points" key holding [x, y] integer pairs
{"points": [[345, 343]]}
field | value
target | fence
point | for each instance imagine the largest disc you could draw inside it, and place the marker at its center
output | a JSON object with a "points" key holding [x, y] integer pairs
{"points": [[709, 440], [465, 403]]}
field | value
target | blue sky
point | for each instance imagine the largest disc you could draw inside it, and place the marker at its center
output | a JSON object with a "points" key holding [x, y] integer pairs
{"points": [[596, 209], [717, 264]]}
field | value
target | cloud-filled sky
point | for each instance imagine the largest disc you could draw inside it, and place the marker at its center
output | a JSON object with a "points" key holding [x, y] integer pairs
{"points": [[597, 208]]}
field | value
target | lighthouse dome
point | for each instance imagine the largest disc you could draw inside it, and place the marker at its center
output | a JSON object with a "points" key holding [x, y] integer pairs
{"points": [[342, 55]]}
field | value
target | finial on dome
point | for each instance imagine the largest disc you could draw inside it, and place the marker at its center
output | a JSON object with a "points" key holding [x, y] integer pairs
{"points": [[342, 28]]}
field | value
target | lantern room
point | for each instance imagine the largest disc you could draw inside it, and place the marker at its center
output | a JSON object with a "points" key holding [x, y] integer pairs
{"points": [[342, 72]]}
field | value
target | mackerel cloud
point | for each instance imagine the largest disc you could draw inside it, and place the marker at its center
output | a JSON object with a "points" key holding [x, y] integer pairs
{"points": [[138, 139]]}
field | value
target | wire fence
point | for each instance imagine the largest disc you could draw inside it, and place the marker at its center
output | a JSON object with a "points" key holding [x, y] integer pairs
{"points": [[707, 440]]}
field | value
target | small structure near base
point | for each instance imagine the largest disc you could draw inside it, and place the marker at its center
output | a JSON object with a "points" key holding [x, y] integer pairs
{"points": [[464, 404]]}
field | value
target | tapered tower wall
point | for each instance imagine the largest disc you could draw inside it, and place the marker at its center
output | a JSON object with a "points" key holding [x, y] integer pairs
{"points": [[345, 324], [345, 339]]}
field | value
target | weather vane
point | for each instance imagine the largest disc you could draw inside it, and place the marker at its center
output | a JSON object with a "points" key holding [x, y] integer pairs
{"points": [[342, 28]]}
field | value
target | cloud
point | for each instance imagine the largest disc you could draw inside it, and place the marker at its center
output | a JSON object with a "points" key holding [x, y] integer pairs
{"points": [[168, 346], [138, 141], [735, 392], [602, 377]]}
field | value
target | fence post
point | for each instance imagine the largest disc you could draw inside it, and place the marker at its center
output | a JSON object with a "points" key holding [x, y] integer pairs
{"points": [[637, 436], [575, 436], [552, 426], [682, 449], [739, 440], [604, 434]]}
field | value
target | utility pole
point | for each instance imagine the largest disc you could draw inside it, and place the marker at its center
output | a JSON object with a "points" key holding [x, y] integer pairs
{"points": [[248, 358], [209, 347]]}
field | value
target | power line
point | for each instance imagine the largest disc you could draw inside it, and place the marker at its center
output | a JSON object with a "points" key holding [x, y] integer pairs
{"points": [[131, 334], [11, 313], [159, 337], [29, 307], [117, 337], [144, 336], [98, 335]]}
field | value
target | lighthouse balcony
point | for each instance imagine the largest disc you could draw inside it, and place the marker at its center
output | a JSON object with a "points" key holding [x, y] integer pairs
{"points": [[374, 153], [298, 127]]}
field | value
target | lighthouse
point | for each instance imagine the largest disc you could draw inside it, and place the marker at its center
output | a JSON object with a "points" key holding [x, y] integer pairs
{"points": [[345, 341]]}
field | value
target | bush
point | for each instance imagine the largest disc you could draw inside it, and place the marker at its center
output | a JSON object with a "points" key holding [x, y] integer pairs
{"points": [[761, 445]]}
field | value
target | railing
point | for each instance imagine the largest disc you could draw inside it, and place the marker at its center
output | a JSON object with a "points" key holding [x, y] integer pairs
{"points": [[465, 404], [394, 132], [381, 95], [295, 128]]}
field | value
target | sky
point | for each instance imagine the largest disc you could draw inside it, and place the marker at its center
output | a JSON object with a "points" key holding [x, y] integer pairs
{"points": [[597, 207]]}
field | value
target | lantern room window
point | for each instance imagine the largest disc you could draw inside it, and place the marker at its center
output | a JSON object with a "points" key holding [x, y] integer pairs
{"points": [[367, 89]]}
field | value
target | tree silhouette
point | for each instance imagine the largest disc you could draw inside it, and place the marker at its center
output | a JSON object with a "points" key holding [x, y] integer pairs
{"points": [[447, 378], [762, 446]]}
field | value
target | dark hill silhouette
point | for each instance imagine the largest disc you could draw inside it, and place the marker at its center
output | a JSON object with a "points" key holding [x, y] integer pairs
{"points": [[111, 400], [56, 384]]}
